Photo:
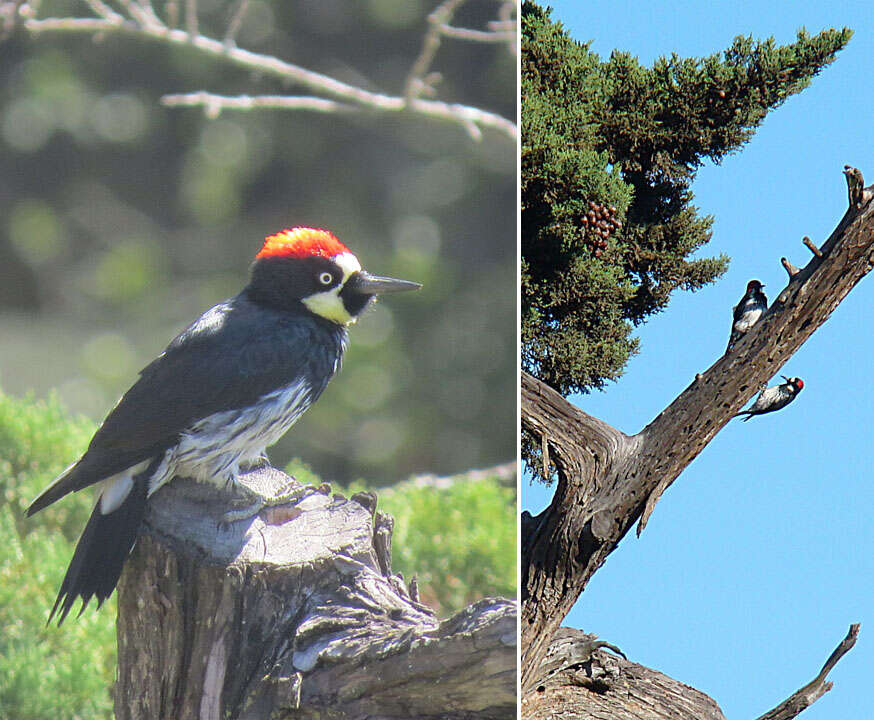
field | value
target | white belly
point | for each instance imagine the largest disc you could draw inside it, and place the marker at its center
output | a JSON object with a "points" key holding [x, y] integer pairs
{"points": [[214, 448], [748, 319]]}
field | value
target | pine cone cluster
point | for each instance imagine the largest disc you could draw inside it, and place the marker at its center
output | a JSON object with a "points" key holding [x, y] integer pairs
{"points": [[600, 222]]}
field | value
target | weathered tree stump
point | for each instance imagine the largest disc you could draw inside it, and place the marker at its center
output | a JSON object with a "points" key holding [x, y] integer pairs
{"points": [[295, 614]]}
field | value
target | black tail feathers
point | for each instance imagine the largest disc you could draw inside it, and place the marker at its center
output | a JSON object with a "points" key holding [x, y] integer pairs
{"points": [[101, 551]]}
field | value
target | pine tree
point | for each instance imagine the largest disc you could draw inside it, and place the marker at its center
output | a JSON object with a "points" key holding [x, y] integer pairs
{"points": [[609, 153]]}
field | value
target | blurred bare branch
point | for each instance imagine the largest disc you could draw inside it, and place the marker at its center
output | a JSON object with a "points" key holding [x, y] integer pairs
{"points": [[103, 10], [171, 9], [508, 14], [140, 20], [236, 22], [504, 474], [420, 80], [477, 35], [191, 17], [214, 104], [141, 13]]}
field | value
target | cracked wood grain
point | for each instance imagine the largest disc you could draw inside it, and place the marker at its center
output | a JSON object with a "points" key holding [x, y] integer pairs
{"points": [[592, 684]]}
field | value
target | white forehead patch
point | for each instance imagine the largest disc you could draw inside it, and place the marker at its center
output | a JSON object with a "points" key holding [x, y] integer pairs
{"points": [[328, 303], [348, 264]]}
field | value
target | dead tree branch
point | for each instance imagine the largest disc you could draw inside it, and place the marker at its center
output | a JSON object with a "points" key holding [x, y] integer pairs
{"points": [[140, 21], [816, 688], [607, 480], [505, 474], [789, 267], [811, 246]]}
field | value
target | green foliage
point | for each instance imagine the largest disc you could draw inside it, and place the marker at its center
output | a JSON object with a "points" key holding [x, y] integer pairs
{"points": [[38, 439], [614, 133], [46, 673], [457, 537]]}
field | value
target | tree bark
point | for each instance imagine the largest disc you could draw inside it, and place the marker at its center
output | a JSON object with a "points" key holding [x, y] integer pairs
{"points": [[580, 680], [295, 613], [608, 480]]}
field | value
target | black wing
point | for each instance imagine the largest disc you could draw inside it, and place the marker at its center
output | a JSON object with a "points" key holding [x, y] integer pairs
{"points": [[738, 310], [231, 356]]}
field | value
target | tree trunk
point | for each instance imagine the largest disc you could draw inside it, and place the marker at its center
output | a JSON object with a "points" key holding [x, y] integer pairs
{"points": [[295, 613], [608, 480]]}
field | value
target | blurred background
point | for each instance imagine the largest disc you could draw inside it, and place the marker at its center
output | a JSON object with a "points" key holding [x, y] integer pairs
{"points": [[122, 220]]}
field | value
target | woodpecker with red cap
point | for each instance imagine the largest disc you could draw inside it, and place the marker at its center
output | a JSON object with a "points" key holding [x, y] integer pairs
{"points": [[774, 398], [225, 389], [747, 312]]}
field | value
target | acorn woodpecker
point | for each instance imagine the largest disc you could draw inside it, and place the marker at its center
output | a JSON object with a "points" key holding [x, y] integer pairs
{"points": [[229, 386], [747, 312], [774, 398]]}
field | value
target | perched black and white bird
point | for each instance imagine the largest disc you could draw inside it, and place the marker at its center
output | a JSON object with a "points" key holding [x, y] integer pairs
{"points": [[747, 312], [228, 387], [774, 398]]}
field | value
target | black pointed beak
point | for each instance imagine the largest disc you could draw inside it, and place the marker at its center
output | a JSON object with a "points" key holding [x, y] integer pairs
{"points": [[368, 284], [785, 378]]}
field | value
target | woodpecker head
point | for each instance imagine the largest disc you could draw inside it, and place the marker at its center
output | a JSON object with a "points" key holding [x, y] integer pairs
{"points": [[754, 286], [309, 268], [795, 383]]}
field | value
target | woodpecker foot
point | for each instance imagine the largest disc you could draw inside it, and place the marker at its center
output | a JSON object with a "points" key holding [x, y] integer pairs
{"points": [[252, 502]]}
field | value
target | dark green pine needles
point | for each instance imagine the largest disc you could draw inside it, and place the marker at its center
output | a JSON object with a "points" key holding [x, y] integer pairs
{"points": [[597, 134]]}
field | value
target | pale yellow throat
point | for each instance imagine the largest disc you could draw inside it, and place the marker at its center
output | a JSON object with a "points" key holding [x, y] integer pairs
{"points": [[329, 304]]}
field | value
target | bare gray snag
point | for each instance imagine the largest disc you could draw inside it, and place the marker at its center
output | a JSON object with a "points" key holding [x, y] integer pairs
{"points": [[816, 688], [295, 613], [607, 480]]}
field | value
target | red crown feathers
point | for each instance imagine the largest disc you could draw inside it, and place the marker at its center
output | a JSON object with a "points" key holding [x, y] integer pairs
{"points": [[301, 242]]}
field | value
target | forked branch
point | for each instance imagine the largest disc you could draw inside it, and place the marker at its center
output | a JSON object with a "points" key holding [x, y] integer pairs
{"points": [[607, 481], [816, 688]]}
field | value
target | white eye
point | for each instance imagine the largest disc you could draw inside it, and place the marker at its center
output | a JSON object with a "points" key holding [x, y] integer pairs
{"points": [[326, 278]]}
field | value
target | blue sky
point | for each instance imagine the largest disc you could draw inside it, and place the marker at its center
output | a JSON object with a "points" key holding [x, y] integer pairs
{"points": [[761, 554]]}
